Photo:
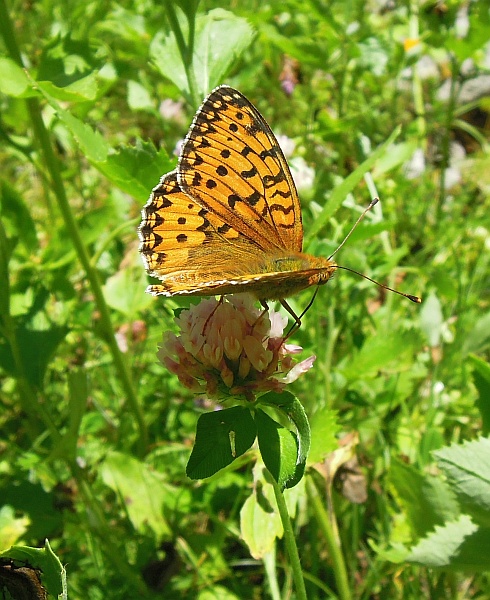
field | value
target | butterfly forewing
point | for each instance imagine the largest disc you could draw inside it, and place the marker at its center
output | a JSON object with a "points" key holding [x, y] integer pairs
{"points": [[232, 164]]}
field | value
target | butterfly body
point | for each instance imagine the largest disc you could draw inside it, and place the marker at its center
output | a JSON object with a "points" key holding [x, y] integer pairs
{"points": [[228, 219]]}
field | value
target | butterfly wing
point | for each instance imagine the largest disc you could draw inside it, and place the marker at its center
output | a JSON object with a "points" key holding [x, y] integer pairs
{"points": [[231, 163], [190, 249]]}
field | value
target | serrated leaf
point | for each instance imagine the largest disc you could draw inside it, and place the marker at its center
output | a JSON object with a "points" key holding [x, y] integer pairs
{"points": [[427, 501], [221, 437], [84, 89], [136, 169], [467, 467], [91, 143], [481, 378], [458, 545]]}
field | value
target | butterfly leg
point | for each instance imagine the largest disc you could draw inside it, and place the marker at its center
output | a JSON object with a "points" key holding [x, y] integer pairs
{"points": [[265, 306], [297, 320]]}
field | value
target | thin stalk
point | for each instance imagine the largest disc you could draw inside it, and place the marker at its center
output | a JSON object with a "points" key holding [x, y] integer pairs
{"points": [[333, 547], [269, 561], [186, 49], [446, 142], [333, 332], [417, 90], [290, 541], [52, 164]]}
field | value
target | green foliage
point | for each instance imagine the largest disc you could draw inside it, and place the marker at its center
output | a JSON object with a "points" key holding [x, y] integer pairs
{"points": [[96, 434], [463, 541], [43, 561]]}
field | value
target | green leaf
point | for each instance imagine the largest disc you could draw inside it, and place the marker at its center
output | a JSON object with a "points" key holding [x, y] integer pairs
{"points": [[43, 559], [427, 501], [81, 90], [124, 291], [36, 348], [324, 430], [14, 81], [220, 39], [278, 447], [216, 592], [142, 491], [136, 169], [139, 97], [91, 143], [392, 352], [260, 522], [292, 408], [477, 340], [77, 405], [14, 211], [221, 437], [12, 527], [398, 154], [458, 545], [481, 378], [467, 467]]}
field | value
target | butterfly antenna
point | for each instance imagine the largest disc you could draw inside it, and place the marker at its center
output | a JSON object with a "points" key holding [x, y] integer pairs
{"points": [[415, 299], [361, 217]]}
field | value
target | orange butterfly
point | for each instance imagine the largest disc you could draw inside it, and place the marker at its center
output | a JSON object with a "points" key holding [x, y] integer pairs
{"points": [[228, 219]]}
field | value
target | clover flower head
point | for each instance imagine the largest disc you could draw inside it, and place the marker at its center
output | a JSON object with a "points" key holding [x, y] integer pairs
{"points": [[230, 348]]}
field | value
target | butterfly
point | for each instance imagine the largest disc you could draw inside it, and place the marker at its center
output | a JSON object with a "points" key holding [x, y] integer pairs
{"points": [[228, 218]]}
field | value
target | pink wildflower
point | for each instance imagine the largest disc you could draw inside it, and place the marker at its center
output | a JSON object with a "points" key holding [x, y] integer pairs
{"points": [[231, 348]]}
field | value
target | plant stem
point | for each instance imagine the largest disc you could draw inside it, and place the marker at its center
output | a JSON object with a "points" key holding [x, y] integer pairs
{"points": [[269, 561], [290, 540], [186, 49], [446, 141], [338, 564], [52, 164]]}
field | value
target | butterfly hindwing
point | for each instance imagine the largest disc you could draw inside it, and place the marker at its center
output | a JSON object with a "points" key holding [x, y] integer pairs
{"points": [[184, 244]]}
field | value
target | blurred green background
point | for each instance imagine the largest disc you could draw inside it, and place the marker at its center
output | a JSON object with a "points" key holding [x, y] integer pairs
{"points": [[96, 434]]}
